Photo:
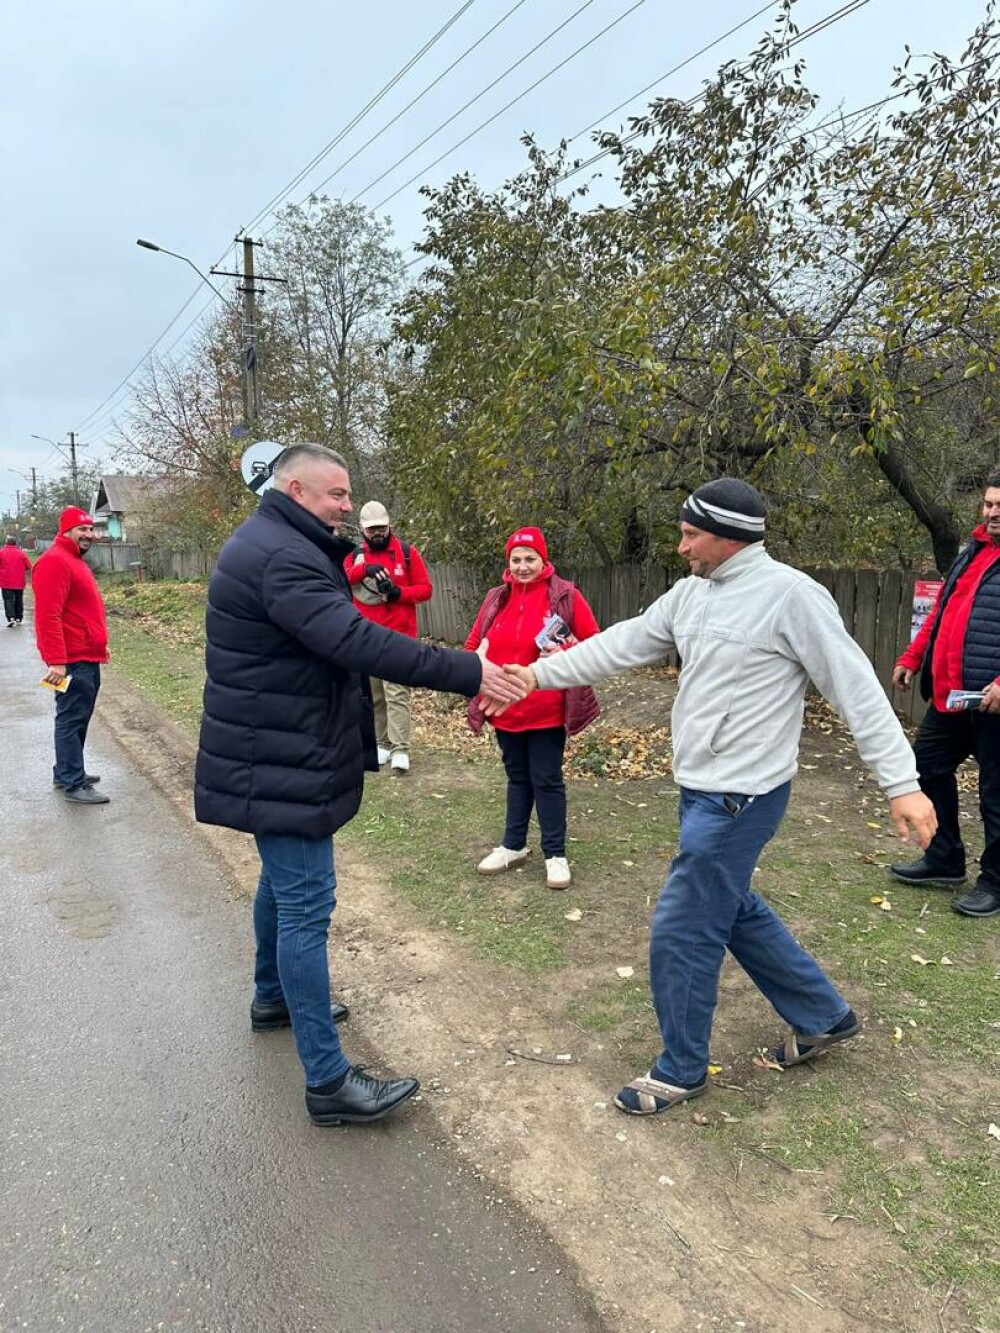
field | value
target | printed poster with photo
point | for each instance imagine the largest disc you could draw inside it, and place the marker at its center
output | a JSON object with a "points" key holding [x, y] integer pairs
{"points": [[925, 593]]}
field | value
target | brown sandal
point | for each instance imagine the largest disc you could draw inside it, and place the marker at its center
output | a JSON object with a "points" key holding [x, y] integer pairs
{"points": [[647, 1095], [797, 1048]]}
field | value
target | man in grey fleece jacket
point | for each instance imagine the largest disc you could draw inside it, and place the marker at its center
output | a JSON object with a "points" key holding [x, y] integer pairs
{"points": [[751, 633]]}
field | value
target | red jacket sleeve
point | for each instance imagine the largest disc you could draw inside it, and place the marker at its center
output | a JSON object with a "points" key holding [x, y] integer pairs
{"points": [[51, 584], [418, 587], [912, 658]]}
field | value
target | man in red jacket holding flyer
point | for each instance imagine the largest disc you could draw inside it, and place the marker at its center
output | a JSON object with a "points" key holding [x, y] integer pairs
{"points": [[388, 579], [72, 636], [957, 653]]}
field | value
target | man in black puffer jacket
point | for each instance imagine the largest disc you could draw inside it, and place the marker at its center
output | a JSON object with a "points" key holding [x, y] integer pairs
{"points": [[286, 736]]}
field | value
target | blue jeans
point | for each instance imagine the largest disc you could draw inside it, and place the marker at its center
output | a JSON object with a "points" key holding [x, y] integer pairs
{"points": [[707, 906], [291, 918], [533, 762], [74, 709]]}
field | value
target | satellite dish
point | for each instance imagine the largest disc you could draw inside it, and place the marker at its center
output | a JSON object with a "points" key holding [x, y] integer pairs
{"points": [[257, 462]]}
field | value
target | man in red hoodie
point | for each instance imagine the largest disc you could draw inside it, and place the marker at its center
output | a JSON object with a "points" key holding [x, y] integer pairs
{"points": [[14, 570], [72, 636], [958, 648], [388, 579]]}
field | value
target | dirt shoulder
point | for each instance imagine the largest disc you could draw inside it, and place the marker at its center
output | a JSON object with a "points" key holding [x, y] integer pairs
{"points": [[691, 1222]]}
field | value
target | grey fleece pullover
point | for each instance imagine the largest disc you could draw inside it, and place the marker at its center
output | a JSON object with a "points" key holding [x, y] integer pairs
{"points": [[750, 637]]}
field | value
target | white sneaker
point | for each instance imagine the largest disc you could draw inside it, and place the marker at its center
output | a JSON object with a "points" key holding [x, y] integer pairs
{"points": [[501, 859], [400, 762], [383, 755], [557, 872]]}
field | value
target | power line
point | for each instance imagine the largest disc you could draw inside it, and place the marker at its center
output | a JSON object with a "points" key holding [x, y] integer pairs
{"points": [[676, 68], [419, 97], [513, 102], [814, 30], [482, 93], [356, 120], [123, 383]]}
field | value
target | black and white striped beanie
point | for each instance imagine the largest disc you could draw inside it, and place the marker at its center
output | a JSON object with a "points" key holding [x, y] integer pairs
{"points": [[727, 507]]}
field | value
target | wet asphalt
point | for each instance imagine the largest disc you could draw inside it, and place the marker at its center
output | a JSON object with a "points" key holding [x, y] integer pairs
{"points": [[157, 1167]]}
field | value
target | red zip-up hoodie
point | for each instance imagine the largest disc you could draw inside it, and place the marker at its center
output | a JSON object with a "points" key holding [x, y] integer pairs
{"points": [[69, 610], [512, 639]]}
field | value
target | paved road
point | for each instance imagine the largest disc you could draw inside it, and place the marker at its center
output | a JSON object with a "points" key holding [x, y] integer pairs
{"points": [[157, 1168]]}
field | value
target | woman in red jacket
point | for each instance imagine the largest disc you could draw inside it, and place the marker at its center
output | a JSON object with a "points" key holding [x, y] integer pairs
{"points": [[532, 733]]}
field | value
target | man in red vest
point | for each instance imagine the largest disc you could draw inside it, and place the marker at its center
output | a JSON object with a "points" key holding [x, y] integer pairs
{"points": [[72, 636], [958, 649], [14, 570]]}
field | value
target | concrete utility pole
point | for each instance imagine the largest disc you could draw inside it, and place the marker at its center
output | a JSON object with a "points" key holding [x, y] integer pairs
{"points": [[251, 385], [34, 490], [74, 473]]}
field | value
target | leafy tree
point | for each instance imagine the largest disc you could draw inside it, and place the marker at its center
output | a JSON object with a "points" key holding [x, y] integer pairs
{"points": [[806, 305], [323, 340]]}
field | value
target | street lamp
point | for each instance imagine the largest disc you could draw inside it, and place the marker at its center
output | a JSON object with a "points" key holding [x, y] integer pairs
{"points": [[248, 365], [151, 245]]}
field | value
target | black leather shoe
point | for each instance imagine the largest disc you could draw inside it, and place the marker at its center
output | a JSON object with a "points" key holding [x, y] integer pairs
{"points": [[977, 902], [86, 796], [359, 1099], [270, 1017], [919, 872], [88, 781]]}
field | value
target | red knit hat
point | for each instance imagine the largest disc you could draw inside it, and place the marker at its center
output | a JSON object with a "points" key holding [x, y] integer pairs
{"points": [[531, 537], [73, 517]]}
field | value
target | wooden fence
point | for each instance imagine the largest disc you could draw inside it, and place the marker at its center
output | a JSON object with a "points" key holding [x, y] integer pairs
{"points": [[876, 607]]}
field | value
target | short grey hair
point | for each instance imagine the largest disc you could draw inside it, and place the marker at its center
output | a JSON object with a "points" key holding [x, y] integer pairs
{"points": [[294, 454]]}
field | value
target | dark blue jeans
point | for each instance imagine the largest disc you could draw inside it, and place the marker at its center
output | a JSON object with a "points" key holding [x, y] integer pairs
{"points": [[74, 709], [707, 906], [533, 761], [291, 919], [944, 741]]}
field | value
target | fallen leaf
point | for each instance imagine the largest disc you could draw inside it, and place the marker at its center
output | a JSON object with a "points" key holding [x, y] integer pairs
{"points": [[946, 961], [439, 795], [564, 1059], [700, 1119], [872, 824], [764, 1061], [714, 1069], [575, 915], [897, 1034], [628, 863], [665, 1180], [625, 972], [729, 1119], [918, 958], [994, 1130], [885, 905], [876, 898]]}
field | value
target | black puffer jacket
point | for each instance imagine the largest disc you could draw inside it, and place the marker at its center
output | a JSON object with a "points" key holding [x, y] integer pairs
{"points": [[287, 725]]}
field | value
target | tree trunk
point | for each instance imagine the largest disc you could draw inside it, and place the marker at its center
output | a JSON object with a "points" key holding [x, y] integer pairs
{"points": [[939, 521]]}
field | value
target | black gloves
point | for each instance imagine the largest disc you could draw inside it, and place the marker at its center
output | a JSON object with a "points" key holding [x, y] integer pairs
{"points": [[373, 571], [385, 587]]}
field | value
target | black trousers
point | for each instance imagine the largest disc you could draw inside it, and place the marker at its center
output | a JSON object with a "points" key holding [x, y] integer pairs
{"points": [[533, 761], [944, 741], [13, 603]]}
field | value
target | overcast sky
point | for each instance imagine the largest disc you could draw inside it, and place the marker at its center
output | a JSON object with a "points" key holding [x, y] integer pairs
{"points": [[179, 121]]}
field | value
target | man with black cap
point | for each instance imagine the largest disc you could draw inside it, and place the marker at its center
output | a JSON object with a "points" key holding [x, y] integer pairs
{"points": [[389, 580], [751, 634]]}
